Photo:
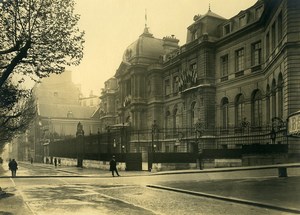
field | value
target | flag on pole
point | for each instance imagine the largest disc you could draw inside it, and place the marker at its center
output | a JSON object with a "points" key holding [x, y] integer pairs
{"points": [[145, 17]]}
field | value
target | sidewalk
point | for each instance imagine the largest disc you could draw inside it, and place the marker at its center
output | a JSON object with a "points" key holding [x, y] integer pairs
{"points": [[26, 169], [293, 169], [259, 186]]}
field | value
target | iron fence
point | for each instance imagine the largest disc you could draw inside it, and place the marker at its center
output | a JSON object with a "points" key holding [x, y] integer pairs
{"points": [[179, 140]]}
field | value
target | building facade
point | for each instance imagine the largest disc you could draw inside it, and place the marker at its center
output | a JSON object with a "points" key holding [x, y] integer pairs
{"points": [[234, 82], [59, 110]]}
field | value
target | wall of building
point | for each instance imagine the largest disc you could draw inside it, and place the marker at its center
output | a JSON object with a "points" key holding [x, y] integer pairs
{"points": [[265, 81]]}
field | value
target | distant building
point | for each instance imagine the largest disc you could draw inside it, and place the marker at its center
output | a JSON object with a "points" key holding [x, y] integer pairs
{"points": [[89, 101], [234, 82], [59, 111]]}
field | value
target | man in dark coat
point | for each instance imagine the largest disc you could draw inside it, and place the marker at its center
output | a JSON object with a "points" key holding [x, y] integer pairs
{"points": [[113, 166], [13, 166]]}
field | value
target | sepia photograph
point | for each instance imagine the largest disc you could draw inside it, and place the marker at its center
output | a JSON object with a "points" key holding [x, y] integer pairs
{"points": [[149, 107]]}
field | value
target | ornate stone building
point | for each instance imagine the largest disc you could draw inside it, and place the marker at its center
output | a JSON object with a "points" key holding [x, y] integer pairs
{"points": [[234, 82]]}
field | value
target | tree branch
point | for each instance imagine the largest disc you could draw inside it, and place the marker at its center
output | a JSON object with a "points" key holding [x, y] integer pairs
{"points": [[15, 61], [12, 49]]}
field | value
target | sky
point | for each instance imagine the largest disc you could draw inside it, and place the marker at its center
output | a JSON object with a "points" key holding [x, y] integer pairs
{"points": [[112, 25]]}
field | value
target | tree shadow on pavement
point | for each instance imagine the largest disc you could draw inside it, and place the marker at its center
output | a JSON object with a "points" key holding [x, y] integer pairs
{"points": [[5, 213], [5, 195]]}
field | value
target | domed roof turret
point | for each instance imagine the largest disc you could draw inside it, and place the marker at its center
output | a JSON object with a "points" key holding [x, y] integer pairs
{"points": [[145, 48]]}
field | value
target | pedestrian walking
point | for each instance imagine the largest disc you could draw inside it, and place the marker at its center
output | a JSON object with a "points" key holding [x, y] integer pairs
{"points": [[31, 160], [55, 162], [13, 166], [59, 161], [113, 166]]}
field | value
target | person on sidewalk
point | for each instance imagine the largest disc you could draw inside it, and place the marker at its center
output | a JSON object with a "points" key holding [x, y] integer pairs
{"points": [[13, 166], [55, 162], [113, 166]]}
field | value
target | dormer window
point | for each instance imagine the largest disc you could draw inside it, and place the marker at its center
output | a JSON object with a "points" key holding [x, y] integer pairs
{"points": [[194, 35], [226, 29], [258, 12], [243, 20]]}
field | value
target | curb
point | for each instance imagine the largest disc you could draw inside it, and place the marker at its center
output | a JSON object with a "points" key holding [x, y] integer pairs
{"points": [[45, 176], [229, 199], [232, 169]]}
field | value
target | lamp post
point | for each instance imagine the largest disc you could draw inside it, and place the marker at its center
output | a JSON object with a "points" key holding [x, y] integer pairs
{"points": [[246, 125], [277, 124], [108, 140], [154, 129], [79, 135], [199, 128], [99, 148]]}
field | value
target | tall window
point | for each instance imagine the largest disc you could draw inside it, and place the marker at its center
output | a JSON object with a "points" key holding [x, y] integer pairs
{"points": [[256, 104], [273, 31], [256, 53], [274, 98], [279, 27], [168, 120], [224, 65], [267, 45], [175, 84], [240, 60], [167, 87], [193, 114], [175, 121], [280, 96], [239, 109], [268, 106], [224, 113]]}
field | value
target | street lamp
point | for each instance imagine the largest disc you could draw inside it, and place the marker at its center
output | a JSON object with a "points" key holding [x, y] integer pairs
{"points": [[114, 145], [79, 135], [154, 130], [277, 124], [199, 128]]}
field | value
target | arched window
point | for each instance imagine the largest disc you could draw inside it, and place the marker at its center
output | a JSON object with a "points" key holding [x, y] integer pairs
{"points": [[224, 113], [193, 114], [280, 96], [256, 108], [274, 103], [268, 105], [239, 109]]}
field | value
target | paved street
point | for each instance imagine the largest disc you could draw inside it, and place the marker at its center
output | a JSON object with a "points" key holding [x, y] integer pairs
{"points": [[44, 189]]}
